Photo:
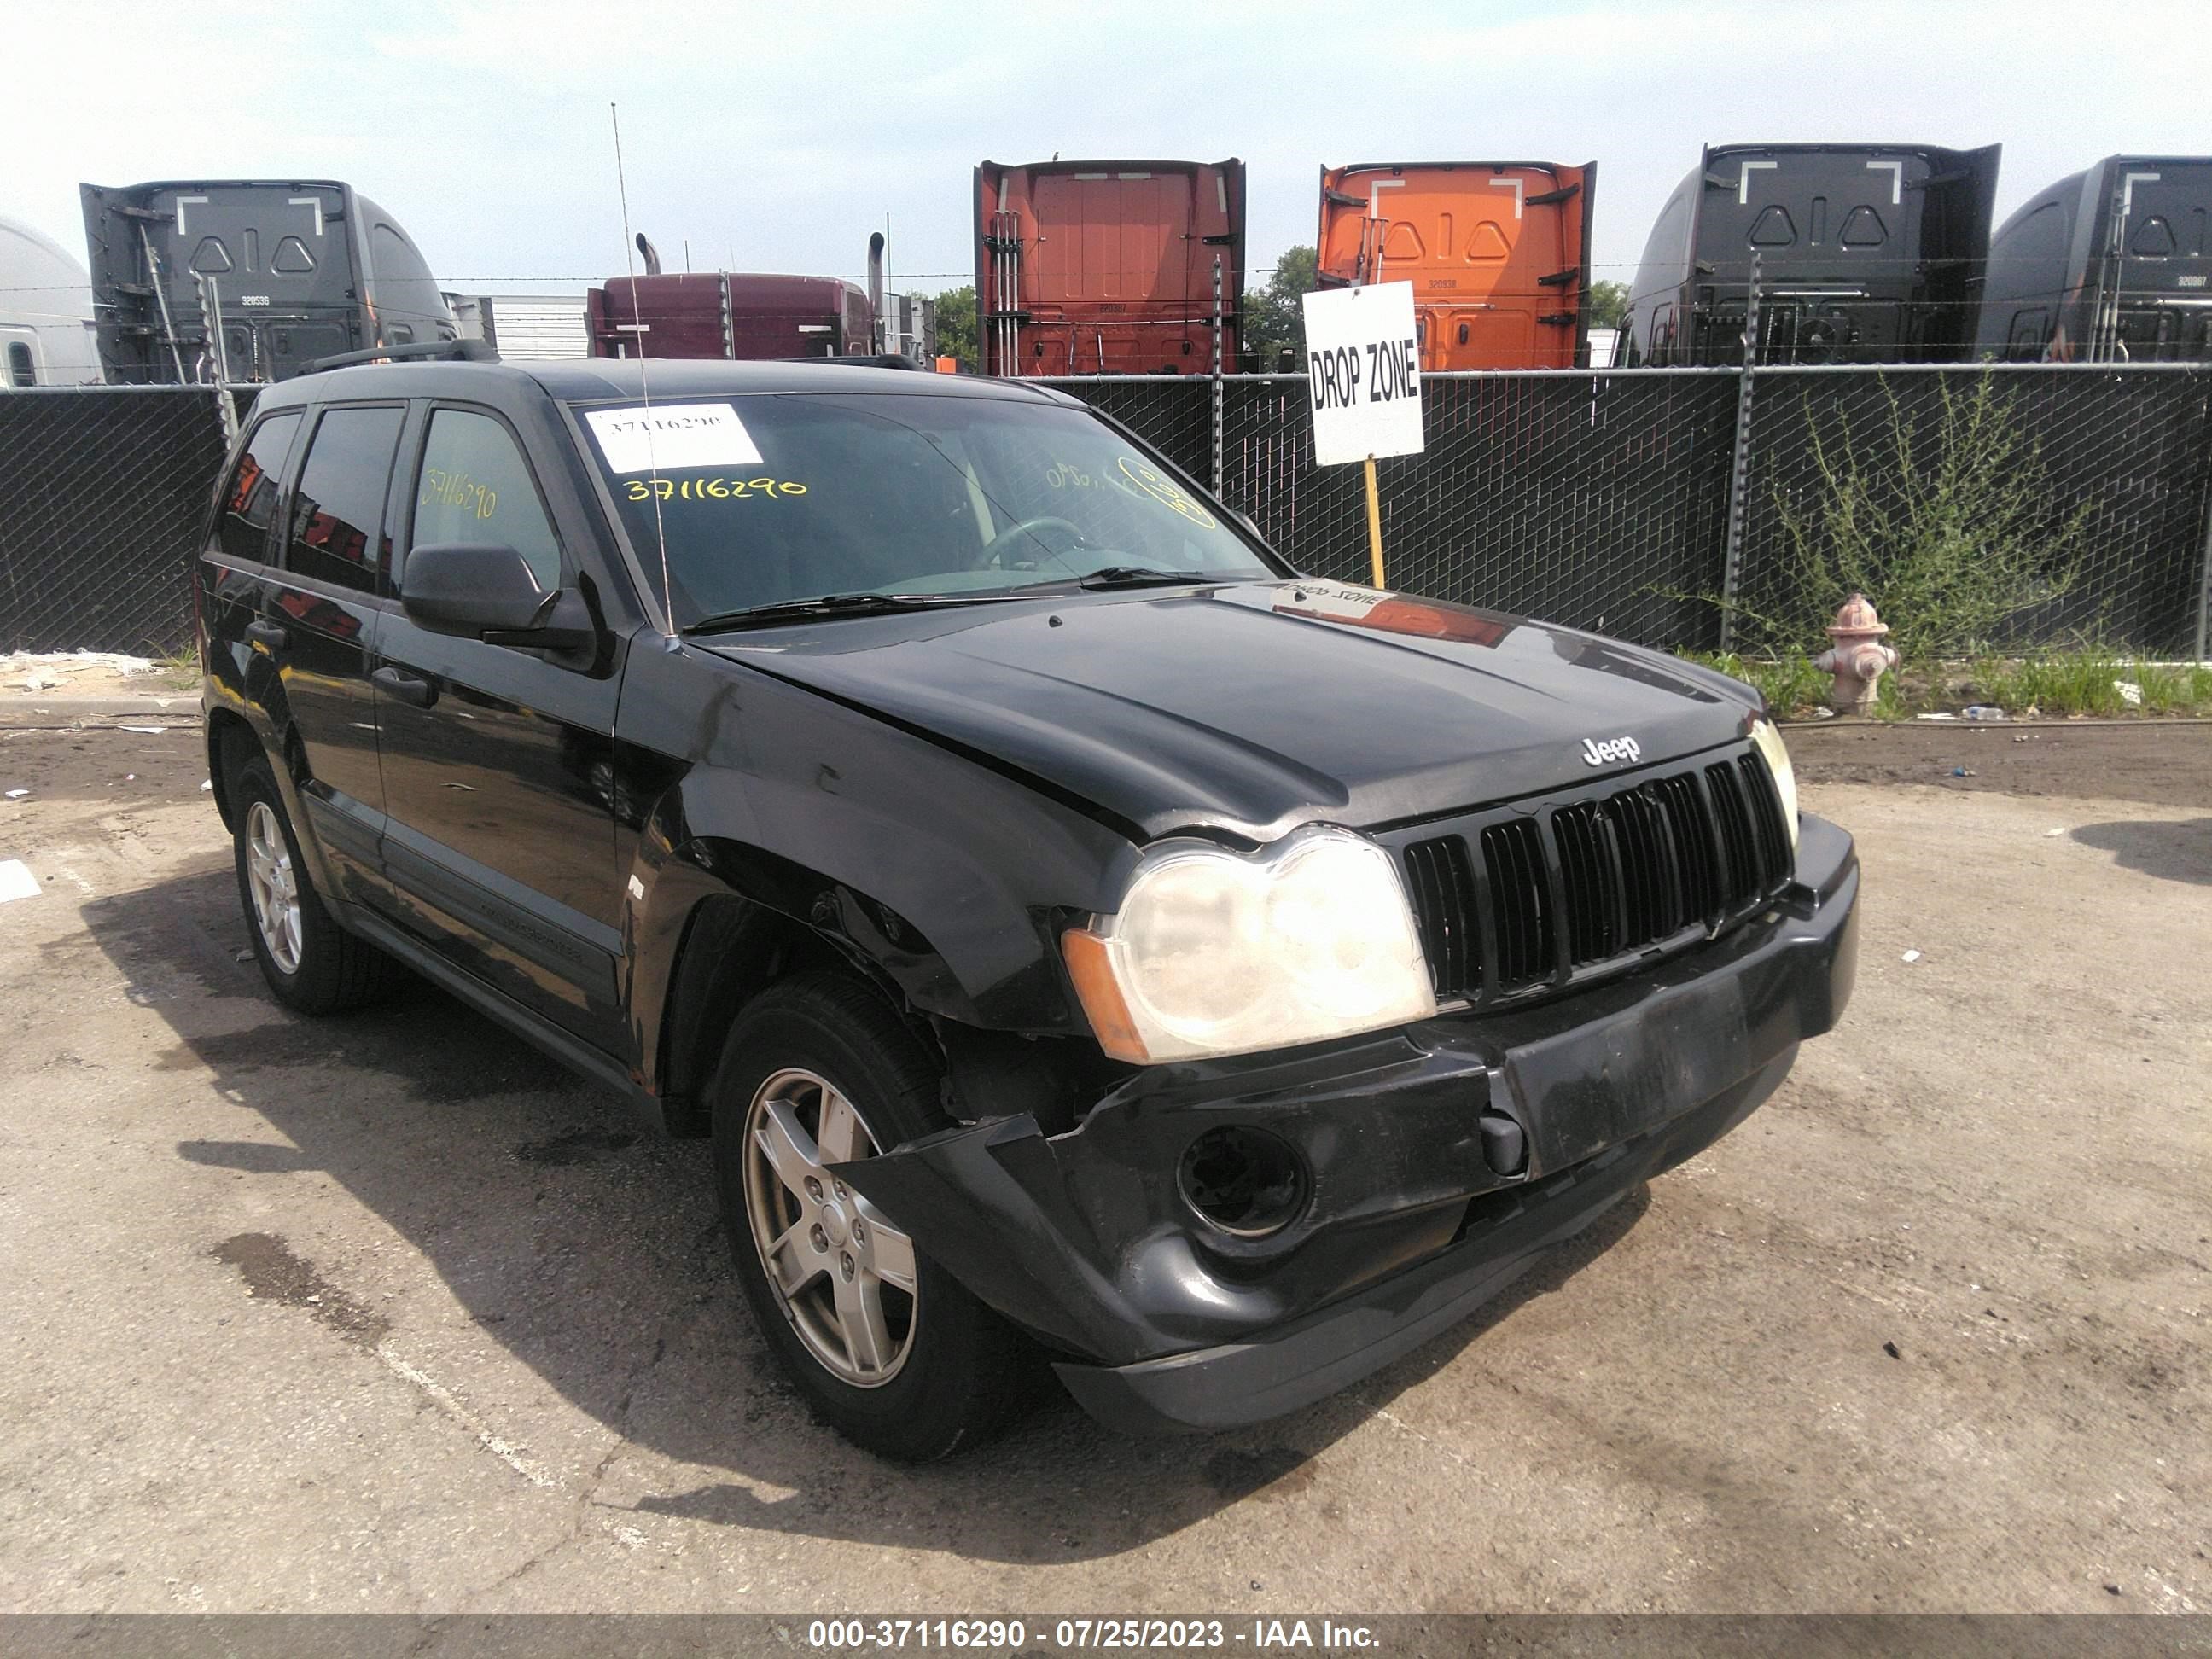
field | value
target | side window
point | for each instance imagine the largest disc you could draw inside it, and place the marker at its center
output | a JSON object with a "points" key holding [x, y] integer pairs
{"points": [[22, 371], [249, 500], [338, 506], [2030, 331], [475, 486]]}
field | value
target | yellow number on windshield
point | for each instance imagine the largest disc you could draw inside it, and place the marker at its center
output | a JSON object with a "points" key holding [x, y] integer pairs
{"points": [[1164, 490], [709, 489]]}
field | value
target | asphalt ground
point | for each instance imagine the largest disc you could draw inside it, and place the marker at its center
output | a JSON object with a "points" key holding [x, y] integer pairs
{"points": [[389, 1313]]}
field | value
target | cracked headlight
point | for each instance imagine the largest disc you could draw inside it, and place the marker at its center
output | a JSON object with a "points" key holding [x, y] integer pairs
{"points": [[1767, 739], [1215, 953]]}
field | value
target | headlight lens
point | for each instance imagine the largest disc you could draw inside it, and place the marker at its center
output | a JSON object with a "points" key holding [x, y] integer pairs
{"points": [[1768, 741], [1214, 952]]}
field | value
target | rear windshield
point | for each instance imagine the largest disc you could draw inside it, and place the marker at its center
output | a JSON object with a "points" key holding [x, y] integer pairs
{"points": [[770, 498]]}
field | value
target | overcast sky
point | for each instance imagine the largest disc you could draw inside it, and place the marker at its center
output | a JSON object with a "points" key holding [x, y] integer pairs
{"points": [[775, 138]]}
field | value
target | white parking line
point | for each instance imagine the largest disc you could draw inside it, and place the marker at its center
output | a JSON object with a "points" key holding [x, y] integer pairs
{"points": [[440, 1395]]}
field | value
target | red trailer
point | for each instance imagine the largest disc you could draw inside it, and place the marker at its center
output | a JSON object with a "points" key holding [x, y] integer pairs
{"points": [[731, 314], [1107, 267]]}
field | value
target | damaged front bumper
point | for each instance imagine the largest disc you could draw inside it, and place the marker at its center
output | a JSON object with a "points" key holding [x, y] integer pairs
{"points": [[1407, 1223]]}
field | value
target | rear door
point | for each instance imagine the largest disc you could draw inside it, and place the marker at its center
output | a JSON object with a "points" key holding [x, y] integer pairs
{"points": [[1117, 255], [234, 564], [316, 622], [499, 762]]}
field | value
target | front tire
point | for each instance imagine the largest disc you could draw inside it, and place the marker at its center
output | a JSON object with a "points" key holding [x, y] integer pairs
{"points": [[311, 963], [886, 1346]]}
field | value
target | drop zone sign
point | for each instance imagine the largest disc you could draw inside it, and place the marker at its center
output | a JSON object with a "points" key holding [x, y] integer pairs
{"points": [[1363, 372]]}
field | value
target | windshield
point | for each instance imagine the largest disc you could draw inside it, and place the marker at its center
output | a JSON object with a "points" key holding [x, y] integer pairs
{"points": [[770, 499]]}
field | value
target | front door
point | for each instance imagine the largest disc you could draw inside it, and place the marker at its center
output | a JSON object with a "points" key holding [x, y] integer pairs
{"points": [[498, 763]]}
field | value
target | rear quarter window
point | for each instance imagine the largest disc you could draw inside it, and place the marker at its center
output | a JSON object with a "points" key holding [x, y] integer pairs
{"points": [[248, 506]]}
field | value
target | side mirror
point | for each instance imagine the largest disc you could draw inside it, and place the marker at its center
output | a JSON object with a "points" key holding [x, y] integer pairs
{"points": [[480, 591]]}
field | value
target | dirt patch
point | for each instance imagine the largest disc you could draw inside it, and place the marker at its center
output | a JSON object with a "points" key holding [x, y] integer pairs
{"points": [[1280, 1471], [577, 1147], [2165, 762], [273, 1273], [449, 1054]]}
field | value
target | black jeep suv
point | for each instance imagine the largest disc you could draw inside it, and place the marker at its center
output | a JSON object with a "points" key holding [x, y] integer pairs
{"points": [[1077, 933]]}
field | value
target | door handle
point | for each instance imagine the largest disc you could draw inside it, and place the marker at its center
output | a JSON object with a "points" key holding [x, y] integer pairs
{"points": [[405, 687], [269, 635]]}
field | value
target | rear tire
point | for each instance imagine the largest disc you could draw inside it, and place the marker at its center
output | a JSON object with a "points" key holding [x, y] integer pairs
{"points": [[311, 963], [887, 1346]]}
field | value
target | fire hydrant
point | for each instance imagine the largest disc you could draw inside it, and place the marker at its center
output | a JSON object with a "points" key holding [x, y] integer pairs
{"points": [[1857, 657]]}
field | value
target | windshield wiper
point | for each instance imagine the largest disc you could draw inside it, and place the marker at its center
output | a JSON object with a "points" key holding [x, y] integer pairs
{"points": [[1142, 575], [834, 605]]}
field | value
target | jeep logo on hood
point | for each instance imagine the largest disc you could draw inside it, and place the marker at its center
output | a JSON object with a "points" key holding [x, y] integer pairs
{"points": [[1599, 751]]}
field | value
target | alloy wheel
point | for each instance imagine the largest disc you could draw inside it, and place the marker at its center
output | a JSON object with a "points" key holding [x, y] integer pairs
{"points": [[275, 886], [844, 1275]]}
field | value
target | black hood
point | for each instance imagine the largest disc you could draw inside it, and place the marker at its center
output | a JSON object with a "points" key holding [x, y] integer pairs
{"points": [[1255, 709]]}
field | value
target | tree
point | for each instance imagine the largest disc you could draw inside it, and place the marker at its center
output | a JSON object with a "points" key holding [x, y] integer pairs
{"points": [[1273, 319], [1607, 304], [956, 325]]}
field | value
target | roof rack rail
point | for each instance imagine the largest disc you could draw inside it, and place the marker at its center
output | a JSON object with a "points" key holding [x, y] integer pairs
{"points": [[865, 360], [468, 351]]}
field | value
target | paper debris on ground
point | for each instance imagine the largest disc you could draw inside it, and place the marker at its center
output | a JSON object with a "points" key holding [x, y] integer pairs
{"points": [[1912, 956], [1935, 717], [150, 730], [16, 881], [18, 794], [43, 671], [2131, 693]]}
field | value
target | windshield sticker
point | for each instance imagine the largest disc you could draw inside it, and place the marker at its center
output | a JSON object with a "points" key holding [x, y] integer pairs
{"points": [[1164, 490], [709, 489], [671, 437], [1064, 476]]}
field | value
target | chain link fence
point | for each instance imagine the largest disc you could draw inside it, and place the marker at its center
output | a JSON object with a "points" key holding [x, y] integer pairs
{"points": [[2042, 502], [103, 491], [2076, 496], [1601, 499]]}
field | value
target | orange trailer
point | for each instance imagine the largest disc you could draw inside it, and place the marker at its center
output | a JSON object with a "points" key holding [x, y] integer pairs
{"points": [[1497, 253]]}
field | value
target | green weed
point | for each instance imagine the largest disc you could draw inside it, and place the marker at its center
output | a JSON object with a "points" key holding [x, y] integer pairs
{"points": [[1945, 516]]}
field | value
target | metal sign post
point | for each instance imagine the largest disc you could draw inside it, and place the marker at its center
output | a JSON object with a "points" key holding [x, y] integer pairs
{"points": [[1364, 381]]}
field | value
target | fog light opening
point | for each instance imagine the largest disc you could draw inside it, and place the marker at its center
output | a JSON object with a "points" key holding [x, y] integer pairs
{"points": [[1245, 1182]]}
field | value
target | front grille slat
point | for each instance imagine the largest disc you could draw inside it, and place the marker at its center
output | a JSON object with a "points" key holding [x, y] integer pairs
{"points": [[1650, 890], [1772, 834], [1443, 883], [1513, 855], [1592, 880], [1503, 907], [1738, 848], [1690, 829]]}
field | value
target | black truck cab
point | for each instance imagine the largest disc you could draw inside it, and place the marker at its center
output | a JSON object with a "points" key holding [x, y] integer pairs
{"points": [[2112, 264], [1865, 253], [249, 279], [1077, 932]]}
